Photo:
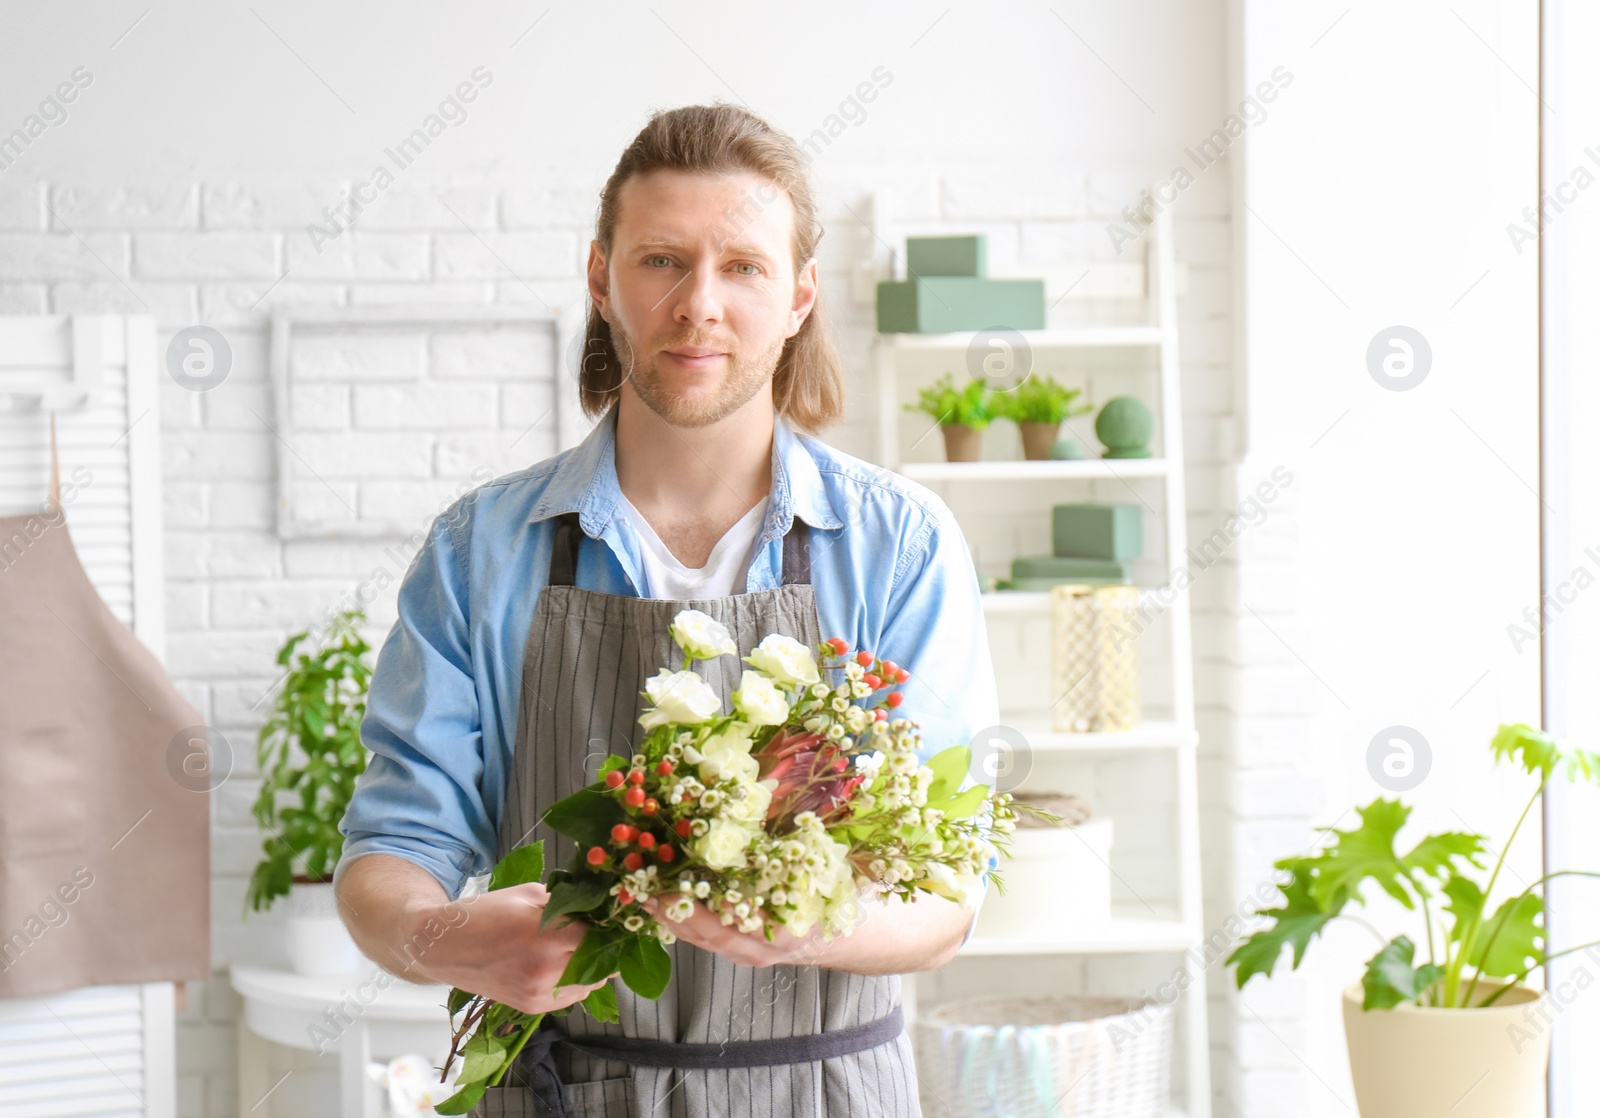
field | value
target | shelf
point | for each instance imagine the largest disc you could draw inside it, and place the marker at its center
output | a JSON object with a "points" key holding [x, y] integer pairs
{"points": [[1122, 935], [1081, 337], [1080, 469], [1149, 735]]}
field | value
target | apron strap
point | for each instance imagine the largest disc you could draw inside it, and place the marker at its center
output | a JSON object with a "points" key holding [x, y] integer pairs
{"points": [[568, 535], [54, 507]]}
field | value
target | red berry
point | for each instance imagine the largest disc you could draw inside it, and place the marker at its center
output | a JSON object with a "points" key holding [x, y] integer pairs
{"points": [[634, 796], [636, 776], [596, 856], [633, 861], [624, 896], [839, 646], [622, 833], [664, 768], [901, 675], [646, 840], [880, 714], [650, 806], [614, 779], [872, 681], [864, 658], [889, 668], [895, 698], [684, 828], [666, 853]]}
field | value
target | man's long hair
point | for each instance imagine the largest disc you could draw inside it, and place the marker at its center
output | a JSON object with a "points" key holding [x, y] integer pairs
{"points": [[808, 383]]}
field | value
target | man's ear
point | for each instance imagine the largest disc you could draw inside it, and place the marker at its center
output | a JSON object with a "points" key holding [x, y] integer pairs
{"points": [[599, 280], [805, 297]]}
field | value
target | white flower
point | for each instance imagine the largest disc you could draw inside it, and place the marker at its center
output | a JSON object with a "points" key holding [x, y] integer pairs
{"points": [[679, 697], [760, 700], [701, 635], [723, 847], [726, 755], [947, 883], [785, 659]]}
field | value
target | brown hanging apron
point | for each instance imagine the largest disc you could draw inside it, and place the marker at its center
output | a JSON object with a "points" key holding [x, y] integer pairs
{"points": [[768, 1042], [105, 856]]}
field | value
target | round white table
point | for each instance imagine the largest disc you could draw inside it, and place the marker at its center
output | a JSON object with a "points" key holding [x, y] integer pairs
{"points": [[356, 1016]]}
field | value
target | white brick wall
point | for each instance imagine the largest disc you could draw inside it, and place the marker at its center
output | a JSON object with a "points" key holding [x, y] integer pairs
{"points": [[385, 419]]}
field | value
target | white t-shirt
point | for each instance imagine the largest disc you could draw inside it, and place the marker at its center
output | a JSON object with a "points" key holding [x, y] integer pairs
{"points": [[724, 572]]}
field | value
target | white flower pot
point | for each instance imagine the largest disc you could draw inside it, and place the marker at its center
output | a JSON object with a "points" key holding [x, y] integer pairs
{"points": [[1058, 881], [317, 940], [1465, 1063]]}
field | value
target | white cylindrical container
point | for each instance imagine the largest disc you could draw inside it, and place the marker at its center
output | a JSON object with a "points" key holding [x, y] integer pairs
{"points": [[1057, 879]]}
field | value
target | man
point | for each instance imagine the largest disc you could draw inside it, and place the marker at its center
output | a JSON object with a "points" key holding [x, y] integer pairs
{"points": [[534, 611]]}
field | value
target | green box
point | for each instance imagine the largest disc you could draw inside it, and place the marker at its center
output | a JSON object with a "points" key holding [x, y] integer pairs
{"points": [[1068, 569], [947, 256], [944, 304], [1097, 531]]}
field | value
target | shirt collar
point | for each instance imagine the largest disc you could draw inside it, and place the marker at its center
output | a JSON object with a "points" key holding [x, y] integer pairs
{"points": [[586, 482]]}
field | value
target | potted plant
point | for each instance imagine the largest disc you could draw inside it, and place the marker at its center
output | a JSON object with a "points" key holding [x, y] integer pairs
{"points": [[1458, 1034], [1038, 405], [961, 414], [310, 754]]}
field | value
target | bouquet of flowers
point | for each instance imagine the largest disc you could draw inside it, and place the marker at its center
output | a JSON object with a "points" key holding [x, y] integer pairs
{"points": [[777, 814]]}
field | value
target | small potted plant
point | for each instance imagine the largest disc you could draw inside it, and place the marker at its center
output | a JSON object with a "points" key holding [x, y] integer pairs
{"points": [[1038, 405], [962, 414], [310, 754], [1459, 1034]]}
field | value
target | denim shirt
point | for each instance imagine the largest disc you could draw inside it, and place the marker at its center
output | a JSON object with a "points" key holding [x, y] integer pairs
{"points": [[890, 571]]}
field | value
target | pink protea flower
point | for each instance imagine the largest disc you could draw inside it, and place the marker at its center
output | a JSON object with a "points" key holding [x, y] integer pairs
{"points": [[812, 775]]}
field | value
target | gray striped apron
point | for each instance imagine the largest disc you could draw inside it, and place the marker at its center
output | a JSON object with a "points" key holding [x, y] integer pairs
{"points": [[587, 658]]}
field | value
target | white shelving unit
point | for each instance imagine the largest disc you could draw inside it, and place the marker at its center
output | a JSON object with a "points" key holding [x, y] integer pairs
{"points": [[1175, 738]]}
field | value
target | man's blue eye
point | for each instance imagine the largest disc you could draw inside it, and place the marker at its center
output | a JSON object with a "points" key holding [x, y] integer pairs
{"points": [[650, 258], [747, 264]]}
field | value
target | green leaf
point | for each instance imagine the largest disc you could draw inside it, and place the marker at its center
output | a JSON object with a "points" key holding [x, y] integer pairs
{"points": [[1295, 922], [1518, 742], [576, 896], [598, 957], [1465, 905], [519, 866], [601, 1004], [458, 1000], [1391, 979], [1367, 852], [1515, 948], [1435, 854], [950, 768], [586, 815], [646, 966], [613, 763], [463, 1100], [481, 1056], [964, 804]]}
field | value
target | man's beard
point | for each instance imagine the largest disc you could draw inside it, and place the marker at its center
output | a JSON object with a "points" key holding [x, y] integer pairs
{"points": [[745, 377]]}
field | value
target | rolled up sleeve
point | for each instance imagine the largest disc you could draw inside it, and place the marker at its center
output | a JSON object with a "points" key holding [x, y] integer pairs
{"points": [[419, 797], [935, 629]]}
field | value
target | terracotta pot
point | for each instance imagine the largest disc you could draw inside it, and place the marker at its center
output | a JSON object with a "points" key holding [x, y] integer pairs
{"points": [[1486, 1062], [961, 443], [1036, 439]]}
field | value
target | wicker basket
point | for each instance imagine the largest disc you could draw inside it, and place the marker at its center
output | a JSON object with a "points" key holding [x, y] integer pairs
{"points": [[1063, 1057]]}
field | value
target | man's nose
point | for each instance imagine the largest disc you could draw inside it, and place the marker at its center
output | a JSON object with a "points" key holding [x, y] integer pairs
{"points": [[699, 298]]}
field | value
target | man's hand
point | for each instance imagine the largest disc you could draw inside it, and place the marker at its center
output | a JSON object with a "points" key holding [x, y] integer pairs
{"points": [[705, 929], [889, 936], [490, 944]]}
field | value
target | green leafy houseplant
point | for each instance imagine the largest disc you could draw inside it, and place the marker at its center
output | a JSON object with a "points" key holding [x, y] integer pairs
{"points": [[1432, 875], [310, 754], [1039, 399], [961, 414]]}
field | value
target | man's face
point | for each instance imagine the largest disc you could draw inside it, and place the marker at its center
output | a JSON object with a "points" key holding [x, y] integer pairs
{"points": [[700, 291]]}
